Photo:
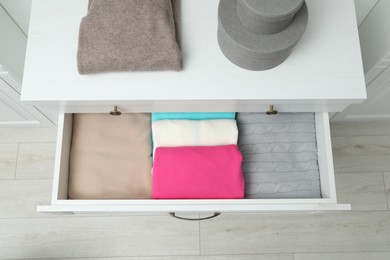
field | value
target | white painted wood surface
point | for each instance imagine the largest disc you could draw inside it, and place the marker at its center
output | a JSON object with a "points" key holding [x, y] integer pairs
{"points": [[324, 72], [60, 203]]}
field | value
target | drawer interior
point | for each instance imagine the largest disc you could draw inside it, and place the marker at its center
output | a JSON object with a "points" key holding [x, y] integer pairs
{"points": [[60, 201]]}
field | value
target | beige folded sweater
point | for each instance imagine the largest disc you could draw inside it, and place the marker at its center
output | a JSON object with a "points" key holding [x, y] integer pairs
{"points": [[110, 157], [129, 35]]}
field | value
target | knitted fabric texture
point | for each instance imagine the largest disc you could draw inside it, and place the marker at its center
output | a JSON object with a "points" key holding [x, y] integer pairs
{"points": [[279, 155], [129, 35]]}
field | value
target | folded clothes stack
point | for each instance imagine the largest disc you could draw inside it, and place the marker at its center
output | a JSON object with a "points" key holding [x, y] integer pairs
{"points": [[129, 35], [279, 155], [110, 157], [171, 133], [196, 156], [198, 172]]}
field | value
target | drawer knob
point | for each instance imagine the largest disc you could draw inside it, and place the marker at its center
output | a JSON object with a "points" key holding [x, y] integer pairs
{"points": [[272, 111], [115, 112]]}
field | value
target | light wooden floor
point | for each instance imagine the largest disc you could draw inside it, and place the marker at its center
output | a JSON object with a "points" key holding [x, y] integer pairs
{"points": [[362, 162]]}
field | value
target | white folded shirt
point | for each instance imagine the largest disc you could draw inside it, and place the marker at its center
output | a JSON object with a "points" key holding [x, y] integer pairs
{"points": [[171, 133]]}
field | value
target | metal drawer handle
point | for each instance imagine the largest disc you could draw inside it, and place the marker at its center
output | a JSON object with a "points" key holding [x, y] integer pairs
{"points": [[216, 214]]}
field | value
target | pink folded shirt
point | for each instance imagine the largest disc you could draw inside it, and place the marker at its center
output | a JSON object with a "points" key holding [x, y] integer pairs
{"points": [[198, 172]]}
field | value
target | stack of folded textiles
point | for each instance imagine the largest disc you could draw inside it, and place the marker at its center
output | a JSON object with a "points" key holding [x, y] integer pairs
{"points": [[196, 156], [279, 155], [110, 157]]}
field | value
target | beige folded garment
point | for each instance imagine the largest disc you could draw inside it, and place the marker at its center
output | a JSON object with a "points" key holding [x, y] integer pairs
{"points": [[110, 157], [129, 35]]}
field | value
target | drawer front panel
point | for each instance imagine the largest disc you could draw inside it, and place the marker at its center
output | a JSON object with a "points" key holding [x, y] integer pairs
{"points": [[199, 106]]}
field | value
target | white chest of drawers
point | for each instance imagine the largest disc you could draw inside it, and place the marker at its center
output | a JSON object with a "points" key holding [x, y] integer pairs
{"points": [[323, 74]]}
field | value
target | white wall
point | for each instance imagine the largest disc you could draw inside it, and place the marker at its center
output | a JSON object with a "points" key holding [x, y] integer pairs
{"points": [[13, 44], [375, 44], [19, 10], [363, 8]]}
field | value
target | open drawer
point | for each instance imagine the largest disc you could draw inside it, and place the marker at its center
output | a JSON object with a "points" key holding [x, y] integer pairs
{"points": [[60, 202]]}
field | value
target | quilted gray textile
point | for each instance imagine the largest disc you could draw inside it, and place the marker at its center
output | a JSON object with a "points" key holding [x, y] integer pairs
{"points": [[279, 155]]}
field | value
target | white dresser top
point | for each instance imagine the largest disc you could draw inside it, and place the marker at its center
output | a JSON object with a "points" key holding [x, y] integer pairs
{"points": [[324, 70]]}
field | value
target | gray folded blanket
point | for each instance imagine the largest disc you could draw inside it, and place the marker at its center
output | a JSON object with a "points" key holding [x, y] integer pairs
{"points": [[129, 35], [279, 155]]}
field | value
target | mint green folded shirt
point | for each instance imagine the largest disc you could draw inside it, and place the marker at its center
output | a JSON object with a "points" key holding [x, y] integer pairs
{"points": [[192, 115]]}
